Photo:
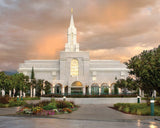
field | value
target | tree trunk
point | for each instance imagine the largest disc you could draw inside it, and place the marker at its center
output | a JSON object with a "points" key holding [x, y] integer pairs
{"points": [[142, 93], [41, 92], [24, 94], [154, 93], [20, 93], [10, 93], [14, 91], [34, 92], [31, 91], [3, 92]]}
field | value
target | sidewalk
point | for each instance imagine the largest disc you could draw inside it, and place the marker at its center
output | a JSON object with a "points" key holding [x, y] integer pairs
{"points": [[8, 111], [101, 113]]}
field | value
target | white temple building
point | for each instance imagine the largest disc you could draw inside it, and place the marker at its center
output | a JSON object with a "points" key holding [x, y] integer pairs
{"points": [[74, 72]]}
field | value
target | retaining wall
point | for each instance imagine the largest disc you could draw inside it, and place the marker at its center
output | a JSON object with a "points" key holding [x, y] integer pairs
{"points": [[97, 100]]}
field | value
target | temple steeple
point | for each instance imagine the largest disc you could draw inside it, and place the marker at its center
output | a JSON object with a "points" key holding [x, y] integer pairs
{"points": [[72, 21], [72, 45]]}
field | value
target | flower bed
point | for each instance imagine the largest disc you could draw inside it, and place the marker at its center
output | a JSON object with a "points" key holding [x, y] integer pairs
{"points": [[45, 108]]}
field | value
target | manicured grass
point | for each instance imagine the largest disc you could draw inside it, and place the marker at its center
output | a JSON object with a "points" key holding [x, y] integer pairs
{"points": [[4, 105], [149, 98], [138, 109], [12, 103]]}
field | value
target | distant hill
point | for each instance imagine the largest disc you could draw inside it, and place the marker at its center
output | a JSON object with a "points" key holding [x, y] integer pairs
{"points": [[11, 72]]}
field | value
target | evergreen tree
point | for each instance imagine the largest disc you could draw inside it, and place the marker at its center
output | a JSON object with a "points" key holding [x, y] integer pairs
{"points": [[32, 74], [47, 87]]}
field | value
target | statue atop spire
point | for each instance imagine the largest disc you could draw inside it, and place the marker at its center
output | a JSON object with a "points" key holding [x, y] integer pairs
{"points": [[71, 10], [71, 21], [72, 45]]}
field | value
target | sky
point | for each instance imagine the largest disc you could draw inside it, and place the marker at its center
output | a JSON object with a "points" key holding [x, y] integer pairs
{"points": [[108, 29]]}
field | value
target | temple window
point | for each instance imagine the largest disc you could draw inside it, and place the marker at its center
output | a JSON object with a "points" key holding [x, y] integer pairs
{"points": [[74, 67]]}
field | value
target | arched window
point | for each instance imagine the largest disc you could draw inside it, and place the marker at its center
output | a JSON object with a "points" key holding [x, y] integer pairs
{"points": [[95, 89], [104, 89], [58, 88], [74, 67]]}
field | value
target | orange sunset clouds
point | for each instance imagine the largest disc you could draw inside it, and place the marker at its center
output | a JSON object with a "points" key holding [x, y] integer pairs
{"points": [[108, 29]]}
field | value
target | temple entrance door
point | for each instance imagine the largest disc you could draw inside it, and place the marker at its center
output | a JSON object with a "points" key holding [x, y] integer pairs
{"points": [[94, 89], [66, 91], [104, 89], [58, 88], [87, 90], [76, 88]]}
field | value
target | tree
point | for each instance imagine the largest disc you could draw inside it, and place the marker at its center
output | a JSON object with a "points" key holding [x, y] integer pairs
{"points": [[47, 87], [32, 74], [32, 82], [20, 82], [145, 67], [39, 87], [8, 84], [3, 78], [127, 84]]}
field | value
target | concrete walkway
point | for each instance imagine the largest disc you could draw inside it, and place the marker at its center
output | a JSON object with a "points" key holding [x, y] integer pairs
{"points": [[100, 113], [87, 116], [87, 112], [8, 111]]}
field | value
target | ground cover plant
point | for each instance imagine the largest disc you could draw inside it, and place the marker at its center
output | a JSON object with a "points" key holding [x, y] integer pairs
{"points": [[138, 109], [45, 108]]}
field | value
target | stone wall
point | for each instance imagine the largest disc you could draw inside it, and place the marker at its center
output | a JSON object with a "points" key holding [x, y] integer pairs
{"points": [[97, 100]]}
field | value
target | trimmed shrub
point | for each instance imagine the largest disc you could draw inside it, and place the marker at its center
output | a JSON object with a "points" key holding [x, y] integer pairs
{"points": [[43, 103], [146, 111], [29, 105], [50, 106], [126, 109], [138, 112], [5, 99], [64, 104], [13, 103], [3, 105], [133, 111], [134, 108]]}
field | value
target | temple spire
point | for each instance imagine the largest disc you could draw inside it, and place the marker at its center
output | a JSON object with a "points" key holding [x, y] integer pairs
{"points": [[71, 21], [72, 45]]}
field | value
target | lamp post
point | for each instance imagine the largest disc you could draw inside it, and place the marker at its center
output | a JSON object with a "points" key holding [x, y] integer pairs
{"points": [[138, 99], [17, 98], [152, 107], [64, 98]]}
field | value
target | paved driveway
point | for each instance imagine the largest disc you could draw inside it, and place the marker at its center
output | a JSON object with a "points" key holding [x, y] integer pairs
{"points": [[87, 116], [8, 111]]}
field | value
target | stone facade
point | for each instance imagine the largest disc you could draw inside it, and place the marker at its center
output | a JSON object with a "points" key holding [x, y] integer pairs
{"points": [[75, 66]]}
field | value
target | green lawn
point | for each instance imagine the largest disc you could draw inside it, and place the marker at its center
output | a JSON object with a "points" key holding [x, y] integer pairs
{"points": [[138, 109]]}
